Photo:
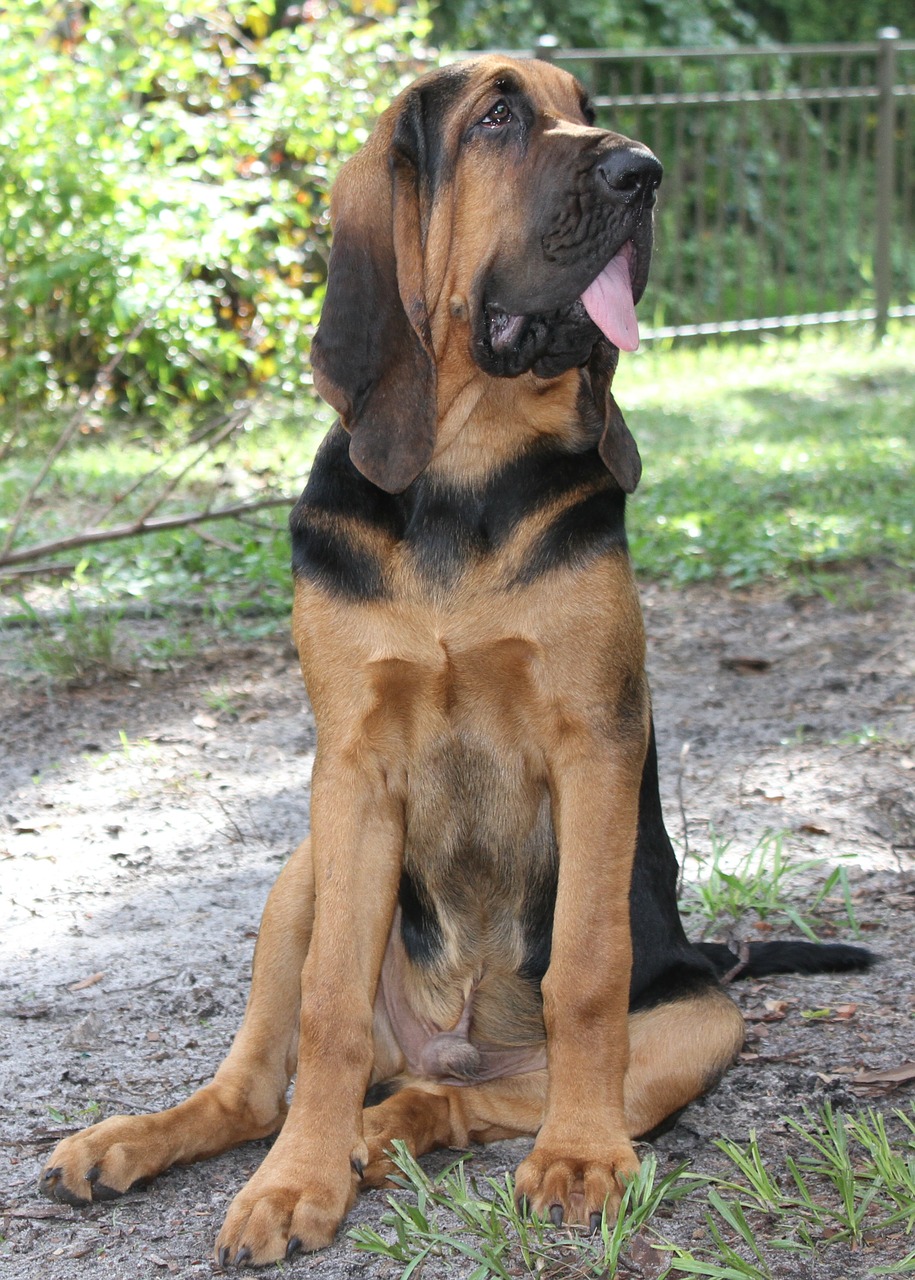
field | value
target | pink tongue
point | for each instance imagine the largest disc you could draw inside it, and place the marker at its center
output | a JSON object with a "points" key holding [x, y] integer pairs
{"points": [[608, 301]]}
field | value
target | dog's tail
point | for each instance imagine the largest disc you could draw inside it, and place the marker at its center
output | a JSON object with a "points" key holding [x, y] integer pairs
{"points": [[763, 959]]}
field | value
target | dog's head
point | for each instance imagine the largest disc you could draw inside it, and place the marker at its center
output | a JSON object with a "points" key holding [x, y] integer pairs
{"points": [[487, 209]]}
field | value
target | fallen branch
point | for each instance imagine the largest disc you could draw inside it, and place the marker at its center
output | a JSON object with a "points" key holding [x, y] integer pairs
{"points": [[137, 527], [41, 571]]}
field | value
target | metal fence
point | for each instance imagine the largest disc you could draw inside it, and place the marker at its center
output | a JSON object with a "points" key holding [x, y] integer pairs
{"points": [[789, 188]]}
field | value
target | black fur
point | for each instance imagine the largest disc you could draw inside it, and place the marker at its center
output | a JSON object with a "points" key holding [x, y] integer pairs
{"points": [[666, 965], [590, 527], [419, 135], [329, 558], [448, 527], [380, 1092], [539, 903], [767, 958], [419, 925]]}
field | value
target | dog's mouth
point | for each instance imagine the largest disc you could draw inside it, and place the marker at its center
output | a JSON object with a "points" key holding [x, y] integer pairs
{"points": [[609, 301]]}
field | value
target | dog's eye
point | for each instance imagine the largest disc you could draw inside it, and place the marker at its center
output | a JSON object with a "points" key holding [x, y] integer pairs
{"points": [[497, 116]]}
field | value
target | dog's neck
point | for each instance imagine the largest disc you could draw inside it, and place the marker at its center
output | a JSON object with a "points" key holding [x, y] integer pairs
{"points": [[484, 421]]}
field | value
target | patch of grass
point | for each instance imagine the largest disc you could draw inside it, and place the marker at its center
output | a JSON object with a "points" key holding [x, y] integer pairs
{"points": [[452, 1217], [222, 701], [849, 1180], [87, 1114], [760, 883], [78, 647], [785, 459]]}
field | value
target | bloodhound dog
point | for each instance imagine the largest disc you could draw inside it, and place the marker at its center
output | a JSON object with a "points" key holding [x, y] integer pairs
{"points": [[480, 939]]}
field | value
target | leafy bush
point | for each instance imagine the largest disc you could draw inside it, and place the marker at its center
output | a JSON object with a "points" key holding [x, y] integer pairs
{"points": [[164, 165]]}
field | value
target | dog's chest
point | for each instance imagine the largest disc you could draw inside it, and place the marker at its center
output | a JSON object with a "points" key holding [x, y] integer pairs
{"points": [[477, 888], [478, 826], [461, 729]]}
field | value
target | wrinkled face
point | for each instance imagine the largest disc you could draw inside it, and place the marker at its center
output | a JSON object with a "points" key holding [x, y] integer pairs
{"points": [[486, 225], [550, 236]]}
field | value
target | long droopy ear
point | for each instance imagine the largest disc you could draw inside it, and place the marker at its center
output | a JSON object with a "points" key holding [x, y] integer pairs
{"points": [[617, 447], [372, 353]]}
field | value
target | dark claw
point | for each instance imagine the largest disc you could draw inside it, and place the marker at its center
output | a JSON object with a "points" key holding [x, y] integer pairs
{"points": [[243, 1256], [556, 1215], [594, 1222], [293, 1247], [357, 1166], [99, 1190], [223, 1256]]}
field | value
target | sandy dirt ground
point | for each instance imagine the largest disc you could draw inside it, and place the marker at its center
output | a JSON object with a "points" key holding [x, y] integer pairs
{"points": [[143, 820]]}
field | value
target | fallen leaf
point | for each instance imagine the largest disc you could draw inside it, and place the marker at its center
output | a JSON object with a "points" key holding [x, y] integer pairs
{"points": [[82, 1250], [812, 829], [87, 982], [771, 1011], [776, 1008], [641, 1254], [771, 797], [204, 721], [891, 1075]]}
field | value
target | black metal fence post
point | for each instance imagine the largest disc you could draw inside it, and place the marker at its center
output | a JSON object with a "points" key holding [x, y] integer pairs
{"points": [[885, 192], [546, 47]]}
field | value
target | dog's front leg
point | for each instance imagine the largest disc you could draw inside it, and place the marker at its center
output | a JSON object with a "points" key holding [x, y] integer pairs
{"points": [[583, 1152], [304, 1187]]}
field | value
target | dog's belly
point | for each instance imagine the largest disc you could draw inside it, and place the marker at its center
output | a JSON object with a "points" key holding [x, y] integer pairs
{"points": [[471, 939]]}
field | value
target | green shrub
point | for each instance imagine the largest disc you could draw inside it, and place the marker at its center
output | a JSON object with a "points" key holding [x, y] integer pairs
{"points": [[164, 165]]}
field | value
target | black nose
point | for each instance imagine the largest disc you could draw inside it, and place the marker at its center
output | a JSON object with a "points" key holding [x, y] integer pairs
{"points": [[631, 173]]}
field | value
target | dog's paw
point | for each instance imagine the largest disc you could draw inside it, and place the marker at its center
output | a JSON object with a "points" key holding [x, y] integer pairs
{"points": [[281, 1212], [101, 1162], [378, 1167], [575, 1189]]}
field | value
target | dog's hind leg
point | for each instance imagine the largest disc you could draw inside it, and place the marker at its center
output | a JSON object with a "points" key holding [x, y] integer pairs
{"points": [[677, 1052], [246, 1098]]}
